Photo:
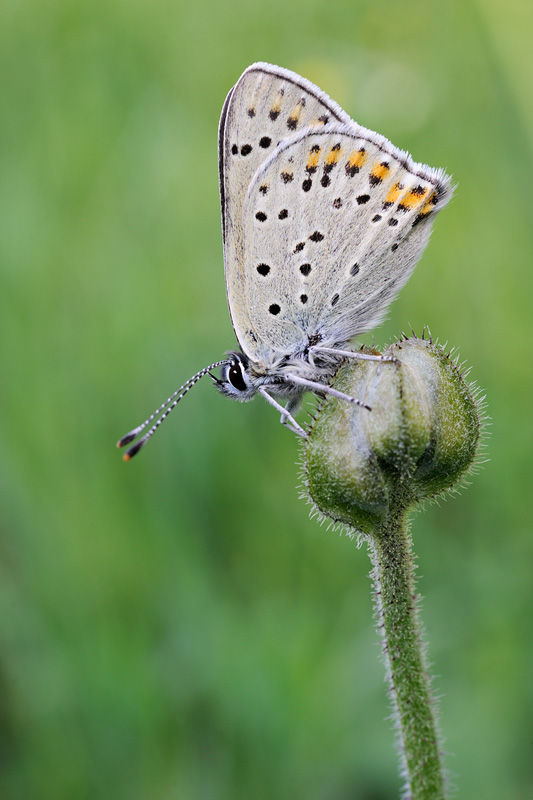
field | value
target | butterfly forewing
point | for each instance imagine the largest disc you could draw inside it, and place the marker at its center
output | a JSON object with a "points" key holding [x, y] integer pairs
{"points": [[333, 225], [266, 106]]}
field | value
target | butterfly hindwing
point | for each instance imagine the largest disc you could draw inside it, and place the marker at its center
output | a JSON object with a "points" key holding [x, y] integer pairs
{"points": [[333, 225]]}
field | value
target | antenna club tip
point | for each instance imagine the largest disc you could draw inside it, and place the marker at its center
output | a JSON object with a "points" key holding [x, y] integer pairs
{"points": [[129, 437], [169, 404], [128, 455]]}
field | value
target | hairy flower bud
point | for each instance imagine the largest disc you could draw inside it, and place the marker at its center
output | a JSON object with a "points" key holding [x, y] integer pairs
{"points": [[420, 437]]}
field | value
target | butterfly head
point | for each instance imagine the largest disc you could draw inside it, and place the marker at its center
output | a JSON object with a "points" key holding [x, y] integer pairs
{"points": [[235, 380]]}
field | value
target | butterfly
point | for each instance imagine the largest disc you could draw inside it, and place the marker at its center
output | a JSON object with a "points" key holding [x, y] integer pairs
{"points": [[323, 222]]}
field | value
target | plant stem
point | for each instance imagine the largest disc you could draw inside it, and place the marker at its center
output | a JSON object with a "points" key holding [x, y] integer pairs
{"points": [[407, 675], [365, 470]]}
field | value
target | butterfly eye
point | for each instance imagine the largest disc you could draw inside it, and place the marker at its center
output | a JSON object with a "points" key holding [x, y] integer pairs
{"points": [[235, 376]]}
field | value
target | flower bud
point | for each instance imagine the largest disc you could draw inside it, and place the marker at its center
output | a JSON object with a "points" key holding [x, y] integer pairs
{"points": [[420, 437]]}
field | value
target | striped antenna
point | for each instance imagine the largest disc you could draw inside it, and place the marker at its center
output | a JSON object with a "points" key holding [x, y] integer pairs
{"points": [[171, 402]]}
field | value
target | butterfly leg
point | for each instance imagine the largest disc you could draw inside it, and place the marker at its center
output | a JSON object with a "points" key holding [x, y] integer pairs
{"points": [[286, 417], [323, 388], [350, 354]]}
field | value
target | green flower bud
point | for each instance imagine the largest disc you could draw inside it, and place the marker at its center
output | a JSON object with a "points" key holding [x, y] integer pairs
{"points": [[419, 439]]}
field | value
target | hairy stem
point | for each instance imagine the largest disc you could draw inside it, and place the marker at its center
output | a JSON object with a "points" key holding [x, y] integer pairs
{"points": [[365, 470], [407, 675]]}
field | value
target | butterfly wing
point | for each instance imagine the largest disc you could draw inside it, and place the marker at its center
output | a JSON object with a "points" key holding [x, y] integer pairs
{"points": [[333, 225], [267, 105], [323, 220]]}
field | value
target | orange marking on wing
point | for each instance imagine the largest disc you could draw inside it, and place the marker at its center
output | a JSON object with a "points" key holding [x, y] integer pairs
{"points": [[379, 171], [294, 116], [333, 156], [312, 161], [275, 109], [357, 158], [429, 205], [393, 194], [414, 197]]}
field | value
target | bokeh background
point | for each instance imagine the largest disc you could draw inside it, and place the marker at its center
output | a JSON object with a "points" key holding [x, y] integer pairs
{"points": [[177, 627]]}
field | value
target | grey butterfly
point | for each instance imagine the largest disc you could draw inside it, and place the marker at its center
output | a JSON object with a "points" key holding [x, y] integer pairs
{"points": [[323, 223]]}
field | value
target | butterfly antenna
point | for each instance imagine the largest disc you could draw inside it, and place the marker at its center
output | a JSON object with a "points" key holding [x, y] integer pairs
{"points": [[171, 402]]}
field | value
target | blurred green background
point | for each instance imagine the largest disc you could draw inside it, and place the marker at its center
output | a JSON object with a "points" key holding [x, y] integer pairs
{"points": [[177, 627]]}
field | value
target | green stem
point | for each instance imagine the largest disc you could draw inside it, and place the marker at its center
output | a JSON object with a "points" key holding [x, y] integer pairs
{"points": [[365, 470], [407, 675]]}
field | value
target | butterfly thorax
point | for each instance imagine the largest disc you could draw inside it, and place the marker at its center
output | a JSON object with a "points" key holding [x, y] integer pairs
{"points": [[308, 365], [242, 378]]}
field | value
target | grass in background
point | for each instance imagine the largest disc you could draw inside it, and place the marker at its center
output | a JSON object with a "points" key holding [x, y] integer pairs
{"points": [[177, 627]]}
